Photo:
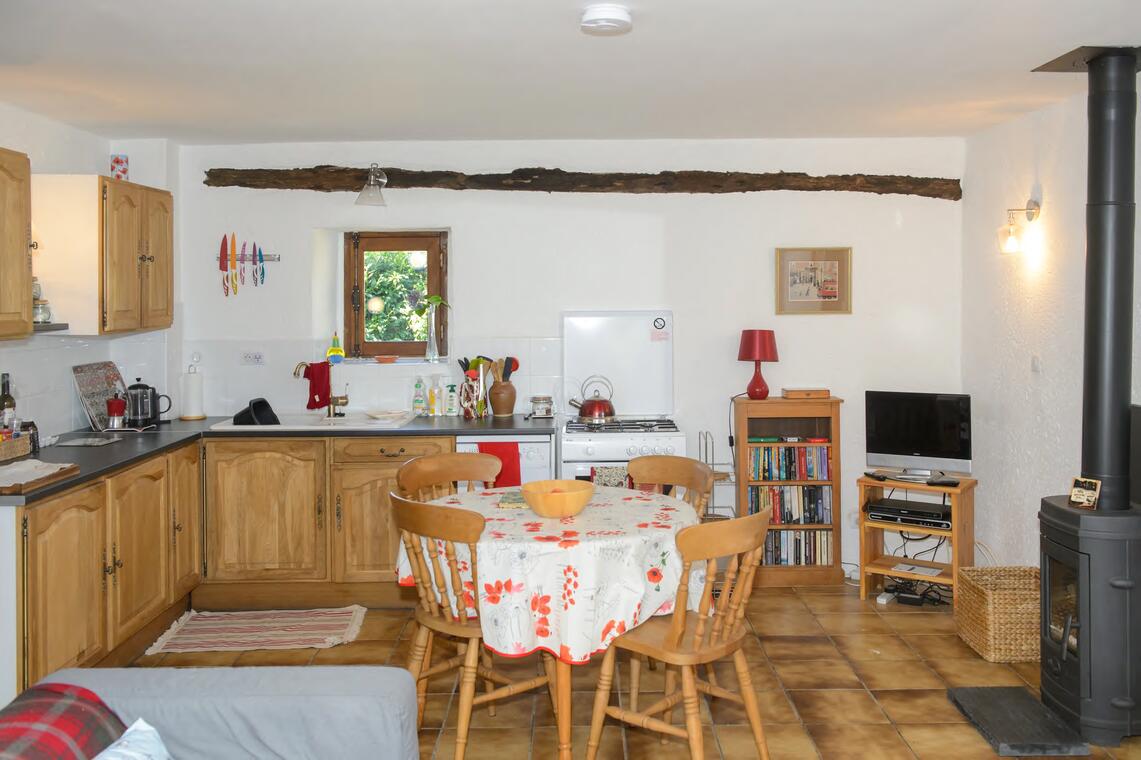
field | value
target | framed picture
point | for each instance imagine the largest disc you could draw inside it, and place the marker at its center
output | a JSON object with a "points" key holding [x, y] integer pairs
{"points": [[1085, 493], [814, 281]]}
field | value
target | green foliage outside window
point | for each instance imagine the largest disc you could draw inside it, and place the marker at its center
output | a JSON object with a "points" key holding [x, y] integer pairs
{"points": [[392, 277]]}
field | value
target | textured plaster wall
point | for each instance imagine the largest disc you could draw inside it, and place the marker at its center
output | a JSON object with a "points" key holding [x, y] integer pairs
{"points": [[1027, 413]]}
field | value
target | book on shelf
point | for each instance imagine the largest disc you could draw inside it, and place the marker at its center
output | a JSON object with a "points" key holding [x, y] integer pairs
{"points": [[804, 505], [778, 462], [798, 547]]}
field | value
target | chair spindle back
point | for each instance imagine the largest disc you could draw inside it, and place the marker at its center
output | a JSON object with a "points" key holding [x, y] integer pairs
{"points": [[693, 478], [430, 477]]}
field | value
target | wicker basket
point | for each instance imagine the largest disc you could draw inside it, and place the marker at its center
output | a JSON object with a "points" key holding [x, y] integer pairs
{"points": [[14, 448], [997, 612]]}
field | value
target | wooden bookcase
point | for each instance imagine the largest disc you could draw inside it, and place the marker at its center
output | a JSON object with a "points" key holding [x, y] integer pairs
{"points": [[875, 564], [791, 419]]}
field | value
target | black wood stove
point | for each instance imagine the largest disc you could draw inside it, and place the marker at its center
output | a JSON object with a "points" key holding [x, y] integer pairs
{"points": [[1091, 560]]}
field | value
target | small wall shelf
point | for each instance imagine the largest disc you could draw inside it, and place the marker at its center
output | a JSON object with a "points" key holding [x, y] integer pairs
{"points": [[50, 327]]}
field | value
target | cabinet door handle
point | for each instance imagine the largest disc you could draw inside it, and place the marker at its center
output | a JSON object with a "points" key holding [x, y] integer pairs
{"points": [[116, 563], [338, 513], [320, 512], [107, 569], [392, 454]]}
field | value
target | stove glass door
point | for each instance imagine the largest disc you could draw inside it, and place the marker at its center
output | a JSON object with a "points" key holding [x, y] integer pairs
{"points": [[1064, 620]]}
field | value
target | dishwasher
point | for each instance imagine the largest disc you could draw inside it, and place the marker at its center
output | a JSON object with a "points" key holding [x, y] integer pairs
{"points": [[536, 452]]}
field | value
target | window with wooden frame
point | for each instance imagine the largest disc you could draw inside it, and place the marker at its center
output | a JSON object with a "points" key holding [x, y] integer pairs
{"points": [[387, 277]]}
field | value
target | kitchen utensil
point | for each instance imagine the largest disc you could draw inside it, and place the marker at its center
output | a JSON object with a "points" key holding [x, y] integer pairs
{"points": [[510, 365], [143, 405], [222, 265], [116, 412], [242, 265], [234, 263], [557, 498], [261, 266], [595, 408]]}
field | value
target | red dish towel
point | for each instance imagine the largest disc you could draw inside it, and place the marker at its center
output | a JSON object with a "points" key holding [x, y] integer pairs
{"points": [[508, 453], [317, 374]]}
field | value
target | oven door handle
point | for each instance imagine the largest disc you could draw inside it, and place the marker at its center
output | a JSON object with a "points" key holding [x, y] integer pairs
{"points": [[1071, 625]]}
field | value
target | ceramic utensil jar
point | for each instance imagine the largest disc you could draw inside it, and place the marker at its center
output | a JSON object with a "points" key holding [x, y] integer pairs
{"points": [[502, 398]]}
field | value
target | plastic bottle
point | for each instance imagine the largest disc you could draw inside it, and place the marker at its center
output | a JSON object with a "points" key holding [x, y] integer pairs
{"points": [[434, 396], [419, 399], [452, 402]]}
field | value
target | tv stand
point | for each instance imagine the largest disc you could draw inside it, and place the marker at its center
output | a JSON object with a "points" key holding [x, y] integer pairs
{"points": [[909, 475]]}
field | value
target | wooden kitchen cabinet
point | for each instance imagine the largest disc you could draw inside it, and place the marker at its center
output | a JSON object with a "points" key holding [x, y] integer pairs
{"points": [[65, 554], [139, 528], [15, 245], [185, 468], [365, 538], [266, 509], [108, 252]]}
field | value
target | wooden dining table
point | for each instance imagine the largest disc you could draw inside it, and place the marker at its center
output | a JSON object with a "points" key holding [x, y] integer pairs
{"points": [[569, 586]]}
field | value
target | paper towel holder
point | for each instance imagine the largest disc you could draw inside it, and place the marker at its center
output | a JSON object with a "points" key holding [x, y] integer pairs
{"points": [[190, 385]]}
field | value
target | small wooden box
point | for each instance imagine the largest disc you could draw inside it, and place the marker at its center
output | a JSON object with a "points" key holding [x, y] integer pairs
{"points": [[802, 393]]}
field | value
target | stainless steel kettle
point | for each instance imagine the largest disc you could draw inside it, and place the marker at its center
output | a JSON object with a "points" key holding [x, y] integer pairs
{"points": [[143, 404]]}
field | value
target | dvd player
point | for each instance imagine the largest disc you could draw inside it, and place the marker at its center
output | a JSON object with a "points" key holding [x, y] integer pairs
{"points": [[902, 512]]}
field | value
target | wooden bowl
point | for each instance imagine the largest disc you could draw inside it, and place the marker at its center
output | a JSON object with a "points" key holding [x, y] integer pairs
{"points": [[557, 498]]}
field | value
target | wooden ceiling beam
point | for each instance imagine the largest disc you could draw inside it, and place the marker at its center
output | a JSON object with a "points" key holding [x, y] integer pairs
{"points": [[336, 179]]}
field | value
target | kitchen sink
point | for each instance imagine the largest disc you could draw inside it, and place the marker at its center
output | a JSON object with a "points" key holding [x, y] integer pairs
{"points": [[318, 421]]}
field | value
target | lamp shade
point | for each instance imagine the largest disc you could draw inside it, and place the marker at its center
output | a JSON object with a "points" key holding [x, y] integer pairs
{"points": [[757, 346]]}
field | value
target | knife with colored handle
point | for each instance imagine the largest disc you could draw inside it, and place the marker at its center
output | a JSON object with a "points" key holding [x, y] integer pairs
{"points": [[242, 265], [254, 263], [261, 265], [222, 257], [233, 263]]}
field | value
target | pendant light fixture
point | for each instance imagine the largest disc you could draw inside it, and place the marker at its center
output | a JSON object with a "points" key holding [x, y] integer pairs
{"points": [[606, 20], [370, 194]]}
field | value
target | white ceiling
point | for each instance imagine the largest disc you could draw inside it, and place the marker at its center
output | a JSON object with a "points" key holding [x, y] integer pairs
{"points": [[214, 71]]}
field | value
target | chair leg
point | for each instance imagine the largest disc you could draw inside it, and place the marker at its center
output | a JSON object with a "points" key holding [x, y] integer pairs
{"points": [[710, 675], [417, 664], [752, 709], [671, 687], [485, 657], [601, 700], [692, 712], [467, 696], [549, 668], [651, 663], [635, 680]]}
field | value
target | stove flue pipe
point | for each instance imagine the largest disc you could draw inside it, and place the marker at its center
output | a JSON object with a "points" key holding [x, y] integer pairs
{"points": [[1110, 213]]}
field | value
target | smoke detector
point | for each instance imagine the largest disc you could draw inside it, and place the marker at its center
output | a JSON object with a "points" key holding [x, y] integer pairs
{"points": [[606, 19]]}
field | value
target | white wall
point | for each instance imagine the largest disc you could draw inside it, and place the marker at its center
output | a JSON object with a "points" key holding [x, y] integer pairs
{"points": [[518, 259], [1027, 424], [40, 366]]}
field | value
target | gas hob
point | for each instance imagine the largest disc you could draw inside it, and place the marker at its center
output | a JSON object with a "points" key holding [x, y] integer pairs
{"points": [[623, 425]]}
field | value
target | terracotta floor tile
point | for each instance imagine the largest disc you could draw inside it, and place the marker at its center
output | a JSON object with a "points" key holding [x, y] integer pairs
{"points": [[148, 660], [761, 674], [918, 706], [855, 742], [514, 712], [647, 698], [356, 653], [766, 591], [200, 659], [817, 674], [776, 605], [775, 708], [487, 743], [436, 710], [399, 654], [895, 607], [848, 622], [753, 650], [582, 703], [642, 744], [948, 741], [941, 647], [920, 623], [837, 706], [833, 603], [799, 648], [585, 677], [904, 674], [1130, 749], [784, 742], [975, 673], [1031, 672], [275, 657], [428, 738], [785, 624], [546, 743], [830, 590], [384, 624], [873, 646]]}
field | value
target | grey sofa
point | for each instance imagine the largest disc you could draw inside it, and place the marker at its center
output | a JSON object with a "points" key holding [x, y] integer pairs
{"points": [[264, 712]]}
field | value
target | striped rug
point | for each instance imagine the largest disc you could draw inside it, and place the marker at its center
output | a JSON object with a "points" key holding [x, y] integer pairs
{"points": [[261, 629]]}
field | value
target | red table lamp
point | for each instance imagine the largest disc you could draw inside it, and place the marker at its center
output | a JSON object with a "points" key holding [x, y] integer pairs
{"points": [[757, 346]]}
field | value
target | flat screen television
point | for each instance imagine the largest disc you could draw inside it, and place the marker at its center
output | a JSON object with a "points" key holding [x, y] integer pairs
{"points": [[920, 433]]}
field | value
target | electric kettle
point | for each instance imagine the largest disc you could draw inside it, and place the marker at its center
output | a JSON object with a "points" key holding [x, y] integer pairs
{"points": [[143, 403]]}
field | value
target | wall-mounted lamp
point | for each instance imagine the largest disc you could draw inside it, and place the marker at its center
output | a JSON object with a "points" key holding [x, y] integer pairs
{"points": [[1010, 234], [370, 194]]}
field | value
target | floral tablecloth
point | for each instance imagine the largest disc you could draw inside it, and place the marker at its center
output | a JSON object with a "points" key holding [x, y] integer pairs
{"points": [[571, 585]]}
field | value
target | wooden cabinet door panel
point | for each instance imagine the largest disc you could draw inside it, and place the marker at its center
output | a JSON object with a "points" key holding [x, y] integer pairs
{"points": [[365, 538], [139, 528], [122, 251], [66, 552], [158, 269], [186, 520], [265, 510], [15, 253]]}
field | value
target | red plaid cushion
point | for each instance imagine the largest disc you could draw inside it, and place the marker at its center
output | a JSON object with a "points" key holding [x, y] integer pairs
{"points": [[56, 721]]}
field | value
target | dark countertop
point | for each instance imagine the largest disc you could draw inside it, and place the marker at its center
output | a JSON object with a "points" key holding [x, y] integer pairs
{"points": [[98, 461]]}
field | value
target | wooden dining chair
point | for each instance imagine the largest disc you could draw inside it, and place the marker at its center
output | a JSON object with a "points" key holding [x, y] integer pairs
{"points": [[430, 477], [690, 480], [686, 640], [430, 534]]}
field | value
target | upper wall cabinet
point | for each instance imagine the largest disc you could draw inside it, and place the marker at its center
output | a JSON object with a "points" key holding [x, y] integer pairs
{"points": [[106, 252], [15, 245]]}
